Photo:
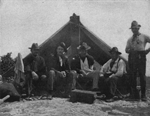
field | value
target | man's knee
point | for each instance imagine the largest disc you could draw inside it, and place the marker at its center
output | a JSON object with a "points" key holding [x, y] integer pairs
{"points": [[73, 74], [101, 79], [94, 75], [51, 74], [109, 80], [112, 79]]}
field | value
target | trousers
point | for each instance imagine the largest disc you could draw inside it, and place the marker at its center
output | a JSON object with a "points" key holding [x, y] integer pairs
{"points": [[56, 79], [137, 67]]}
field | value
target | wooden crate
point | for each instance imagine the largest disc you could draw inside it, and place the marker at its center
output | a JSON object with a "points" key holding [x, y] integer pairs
{"points": [[82, 96]]}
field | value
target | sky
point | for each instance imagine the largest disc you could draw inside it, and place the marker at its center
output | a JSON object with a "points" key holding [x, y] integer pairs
{"points": [[23, 22]]}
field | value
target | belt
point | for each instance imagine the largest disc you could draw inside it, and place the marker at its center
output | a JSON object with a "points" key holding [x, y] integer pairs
{"points": [[137, 54]]}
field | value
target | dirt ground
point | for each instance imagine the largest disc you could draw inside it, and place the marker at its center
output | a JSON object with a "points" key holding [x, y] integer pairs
{"points": [[62, 107]]}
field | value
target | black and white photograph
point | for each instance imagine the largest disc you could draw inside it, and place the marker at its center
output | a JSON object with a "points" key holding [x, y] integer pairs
{"points": [[74, 58]]}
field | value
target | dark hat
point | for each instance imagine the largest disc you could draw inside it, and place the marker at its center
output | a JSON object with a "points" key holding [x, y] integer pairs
{"points": [[63, 45], [135, 24], [34, 46], [83, 46], [115, 49]]}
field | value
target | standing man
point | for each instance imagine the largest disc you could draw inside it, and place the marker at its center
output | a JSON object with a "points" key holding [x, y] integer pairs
{"points": [[35, 69], [137, 60]]}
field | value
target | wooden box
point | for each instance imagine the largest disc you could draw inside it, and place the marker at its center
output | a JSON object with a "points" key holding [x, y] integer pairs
{"points": [[82, 96]]}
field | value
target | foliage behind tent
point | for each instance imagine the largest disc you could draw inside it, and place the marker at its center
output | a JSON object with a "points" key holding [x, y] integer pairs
{"points": [[7, 64]]}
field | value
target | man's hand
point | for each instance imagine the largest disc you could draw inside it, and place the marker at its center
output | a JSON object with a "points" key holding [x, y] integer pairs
{"points": [[130, 50], [83, 72], [35, 76], [88, 70], [101, 75], [108, 72], [111, 76], [43, 77], [63, 73], [147, 51]]}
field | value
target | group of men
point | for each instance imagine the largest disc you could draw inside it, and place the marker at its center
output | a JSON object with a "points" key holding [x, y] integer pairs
{"points": [[65, 74]]}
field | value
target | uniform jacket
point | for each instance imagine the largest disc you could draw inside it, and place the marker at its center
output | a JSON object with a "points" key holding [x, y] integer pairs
{"points": [[56, 63]]}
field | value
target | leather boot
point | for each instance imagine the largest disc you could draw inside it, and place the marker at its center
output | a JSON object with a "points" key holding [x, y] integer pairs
{"points": [[136, 94]]}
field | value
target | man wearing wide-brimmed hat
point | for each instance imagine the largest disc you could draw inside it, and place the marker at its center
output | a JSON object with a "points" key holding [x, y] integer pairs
{"points": [[35, 69], [137, 59], [112, 72], [60, 74], [83, 63]]}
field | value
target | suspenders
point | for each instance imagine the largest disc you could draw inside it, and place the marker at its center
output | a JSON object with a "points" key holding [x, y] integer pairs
{"points": [[113, 65]]}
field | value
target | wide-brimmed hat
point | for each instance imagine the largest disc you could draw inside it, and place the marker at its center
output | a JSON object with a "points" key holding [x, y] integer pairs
{"points": [[114, 50], [83, 46], [34, 46], [63, 45], [135, 24]]}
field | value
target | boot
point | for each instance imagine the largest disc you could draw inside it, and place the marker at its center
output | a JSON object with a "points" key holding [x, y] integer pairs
{"points": [[50, 95], [131, 96], [143, 97], [134, 95]]}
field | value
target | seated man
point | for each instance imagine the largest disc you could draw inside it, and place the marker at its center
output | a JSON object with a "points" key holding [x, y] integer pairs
{"points": [[83, 64], [35, 69], [61, 77], [111, 72]]}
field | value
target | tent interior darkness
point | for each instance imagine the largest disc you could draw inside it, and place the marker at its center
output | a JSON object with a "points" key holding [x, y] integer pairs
{"points": [[76, 30]]}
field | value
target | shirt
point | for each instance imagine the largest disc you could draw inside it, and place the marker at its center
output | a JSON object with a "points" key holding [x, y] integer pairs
{"points": [[36, 64], [137, 43], [84, 64], [60, 60], [119, 68], [76, 63], [59, 63]]}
